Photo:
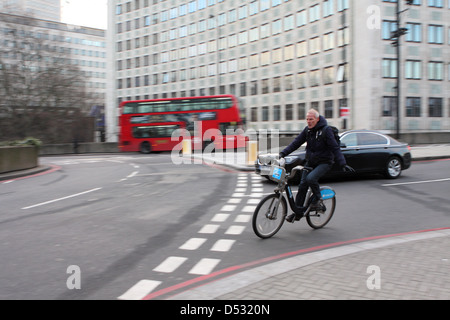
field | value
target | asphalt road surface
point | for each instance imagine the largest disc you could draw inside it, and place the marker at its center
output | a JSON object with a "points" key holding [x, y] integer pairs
{"points": [[131, 226]]}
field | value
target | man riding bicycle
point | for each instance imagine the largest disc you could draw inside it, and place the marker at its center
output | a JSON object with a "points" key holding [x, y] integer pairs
{"points": [[322, 151]]}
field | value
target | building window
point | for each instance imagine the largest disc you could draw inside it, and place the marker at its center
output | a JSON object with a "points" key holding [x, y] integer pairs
{"points": [[276, 27], [328, 6], [302, 49], [436, 3], [342, 5], [389, 68], [328, 75], [265, 58], [314, 78], [254, 88], [289, 52], [435, 107], [414, 32], [328, 41], [329, 109], [242, 12], [243, 89], [277, 55], [265, 113], [435, 71], [289, 82], [389, 106], [343, 37], [276, 113], [254, 34], [387, 28], [277, 84], [289, 23], [265, 4], [265, 31], [301, 18], [412, 107], [314, 45], [254, 114], [265, 86], [413, 69], [314, 13], [301, 80], [289, 112], [301, 111], [192, 6], [254, 61], [435, 34], [253, 7]]}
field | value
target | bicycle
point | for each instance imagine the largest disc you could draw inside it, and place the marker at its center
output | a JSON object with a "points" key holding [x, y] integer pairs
{"points": [[268, 218]]}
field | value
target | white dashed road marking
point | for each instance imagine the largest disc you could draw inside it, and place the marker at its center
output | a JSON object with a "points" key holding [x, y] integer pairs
{"points": [[140, 290], [247, 187], [170, 264]]}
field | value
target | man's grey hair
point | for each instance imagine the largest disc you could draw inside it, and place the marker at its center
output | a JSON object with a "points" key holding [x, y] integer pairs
{"points": [[315, 112]]}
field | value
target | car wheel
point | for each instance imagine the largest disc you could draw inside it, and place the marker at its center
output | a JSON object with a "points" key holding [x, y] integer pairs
{"points": [[145, 147], [393, 168]]}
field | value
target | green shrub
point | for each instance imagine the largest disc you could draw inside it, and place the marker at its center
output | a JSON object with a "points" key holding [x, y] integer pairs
{"points": [[25, 142]]}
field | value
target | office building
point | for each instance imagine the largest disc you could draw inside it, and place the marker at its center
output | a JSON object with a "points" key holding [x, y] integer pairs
{"points": [[39, 9], [282, 57], [81, 46]]}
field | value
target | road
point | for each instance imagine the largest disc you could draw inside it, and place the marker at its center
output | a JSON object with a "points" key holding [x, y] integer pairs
{"points": [[141, 227]]}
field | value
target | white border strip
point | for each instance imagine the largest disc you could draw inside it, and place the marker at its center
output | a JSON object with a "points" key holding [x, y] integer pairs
{"points": [[59, 199]]}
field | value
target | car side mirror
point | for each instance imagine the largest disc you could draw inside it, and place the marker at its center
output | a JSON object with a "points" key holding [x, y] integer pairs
{"points": [[343, 145]]}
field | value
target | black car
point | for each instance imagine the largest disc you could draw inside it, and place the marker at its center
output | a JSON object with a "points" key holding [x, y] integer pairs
{"points": [[365, 151]]}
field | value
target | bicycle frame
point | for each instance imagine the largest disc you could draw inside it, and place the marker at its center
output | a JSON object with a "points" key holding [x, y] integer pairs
{"points": [[293, 205], [283, 186]]}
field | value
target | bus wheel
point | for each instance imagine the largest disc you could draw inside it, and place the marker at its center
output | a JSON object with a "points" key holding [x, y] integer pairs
{"points": [[145, 147]]}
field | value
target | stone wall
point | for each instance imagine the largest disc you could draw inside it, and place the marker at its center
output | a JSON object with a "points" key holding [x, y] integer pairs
{"points": [[18, 158]]}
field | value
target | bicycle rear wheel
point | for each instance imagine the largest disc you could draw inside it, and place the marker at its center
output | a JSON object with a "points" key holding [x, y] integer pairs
{"points": [[269, 216], [318, 219]]}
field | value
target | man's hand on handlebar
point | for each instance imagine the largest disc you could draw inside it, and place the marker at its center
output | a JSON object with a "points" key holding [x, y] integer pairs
{"points": [[282, 162], [347, 168]]}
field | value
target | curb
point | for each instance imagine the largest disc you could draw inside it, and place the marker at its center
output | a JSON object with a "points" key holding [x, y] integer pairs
{"points": [[214, 289], [24, 173]]}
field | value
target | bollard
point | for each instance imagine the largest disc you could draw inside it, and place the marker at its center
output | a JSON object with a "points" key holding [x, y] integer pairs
{"points": [[252, 151], [187, 146]]}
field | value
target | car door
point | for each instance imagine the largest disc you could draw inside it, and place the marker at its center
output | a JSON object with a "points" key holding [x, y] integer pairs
{"points": [[372, 149], [350, 150]]}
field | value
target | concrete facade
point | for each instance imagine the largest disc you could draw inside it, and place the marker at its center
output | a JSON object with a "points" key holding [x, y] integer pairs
{"points": [[283, 57], [18, 158]]}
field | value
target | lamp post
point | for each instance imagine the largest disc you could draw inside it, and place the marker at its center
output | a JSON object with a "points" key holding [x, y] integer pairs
{"points": [[396, 37]]}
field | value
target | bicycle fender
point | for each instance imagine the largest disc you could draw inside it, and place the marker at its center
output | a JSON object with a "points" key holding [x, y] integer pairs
{"points": [[327, 193]]}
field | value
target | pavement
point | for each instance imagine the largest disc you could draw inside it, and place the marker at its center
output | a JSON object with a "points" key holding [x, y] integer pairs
{"points": [[408, 266]]}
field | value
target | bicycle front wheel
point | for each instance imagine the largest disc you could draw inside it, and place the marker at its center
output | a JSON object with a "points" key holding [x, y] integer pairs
{"points": [[269, 216], [318, 219]]}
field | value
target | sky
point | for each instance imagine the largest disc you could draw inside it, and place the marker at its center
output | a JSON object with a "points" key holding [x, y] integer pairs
{"points": [[88, 13]]}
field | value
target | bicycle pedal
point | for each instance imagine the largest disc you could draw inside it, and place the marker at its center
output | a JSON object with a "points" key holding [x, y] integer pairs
{"points": [[293, 217]]}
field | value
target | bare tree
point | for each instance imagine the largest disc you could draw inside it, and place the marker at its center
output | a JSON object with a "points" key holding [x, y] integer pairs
{"points": [[42, 93]]}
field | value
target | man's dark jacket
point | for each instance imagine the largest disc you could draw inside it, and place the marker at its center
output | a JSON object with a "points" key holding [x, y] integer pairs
{"points": [[321, 146]]}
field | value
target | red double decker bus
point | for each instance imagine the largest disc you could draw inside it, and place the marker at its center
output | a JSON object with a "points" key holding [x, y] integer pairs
{"points": [[162, 124]]}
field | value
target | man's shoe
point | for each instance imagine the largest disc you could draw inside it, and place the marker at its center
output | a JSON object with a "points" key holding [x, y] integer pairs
{"points": [[293, 217], [318, 206]]}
